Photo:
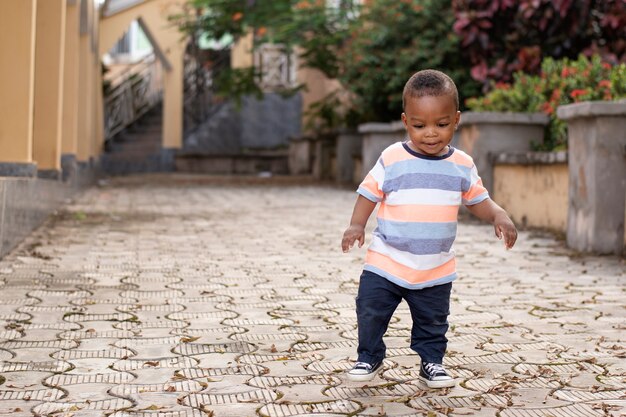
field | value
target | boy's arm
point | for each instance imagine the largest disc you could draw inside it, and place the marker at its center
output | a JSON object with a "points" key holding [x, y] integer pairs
{"points": [[488, 210], [356, 231]]}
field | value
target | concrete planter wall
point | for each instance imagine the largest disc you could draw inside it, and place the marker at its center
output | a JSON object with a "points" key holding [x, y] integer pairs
{"points": [[597, 171], [486, 134], [532, 188], [376, 137], [300, 159], [349, 148]]}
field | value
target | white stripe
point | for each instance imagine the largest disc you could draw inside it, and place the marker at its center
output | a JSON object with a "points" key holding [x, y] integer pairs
{"points": [[378, 172], [417, 262], [424, 196], [474, 175]]}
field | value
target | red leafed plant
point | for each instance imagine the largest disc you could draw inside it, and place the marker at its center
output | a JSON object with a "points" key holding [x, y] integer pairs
{"points": [[500, 37]]}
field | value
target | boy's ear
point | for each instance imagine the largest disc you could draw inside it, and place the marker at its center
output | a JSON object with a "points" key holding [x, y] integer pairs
{"points": [[457, 119], [403, 116]]}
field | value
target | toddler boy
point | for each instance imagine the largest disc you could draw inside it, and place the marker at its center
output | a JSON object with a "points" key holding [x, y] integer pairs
{"points": [[420, 185]]}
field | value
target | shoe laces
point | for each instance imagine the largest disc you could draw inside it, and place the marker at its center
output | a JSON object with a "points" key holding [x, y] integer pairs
{"points": [[435, 368], [363, 365]]}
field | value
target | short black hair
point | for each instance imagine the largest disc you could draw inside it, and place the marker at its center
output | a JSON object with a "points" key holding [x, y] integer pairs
{"points": [[430, 83]]}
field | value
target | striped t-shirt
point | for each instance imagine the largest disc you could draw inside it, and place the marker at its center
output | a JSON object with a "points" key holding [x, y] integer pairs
{"points": [[419, 197]]}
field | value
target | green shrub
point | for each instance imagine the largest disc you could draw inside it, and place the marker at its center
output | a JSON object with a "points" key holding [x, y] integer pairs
{"points": [[559, 82]]}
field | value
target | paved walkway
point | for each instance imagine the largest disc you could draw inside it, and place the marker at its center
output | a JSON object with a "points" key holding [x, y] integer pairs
{"points": [[187, 296]]}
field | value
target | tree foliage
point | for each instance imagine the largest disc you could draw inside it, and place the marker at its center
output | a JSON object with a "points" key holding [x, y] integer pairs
{"points": [[500, 37], [390, 41]]}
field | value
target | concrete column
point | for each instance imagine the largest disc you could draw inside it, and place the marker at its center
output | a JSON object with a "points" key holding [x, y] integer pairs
{"points": [[484, 135], [49, 63], [597, 175], [17, 75], [377, 137], [69, 135], [173, 101], [85, 84]]}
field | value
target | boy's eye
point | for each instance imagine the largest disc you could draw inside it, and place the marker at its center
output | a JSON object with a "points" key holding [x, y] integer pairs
{"points": [[418, 126], [444, 124]]}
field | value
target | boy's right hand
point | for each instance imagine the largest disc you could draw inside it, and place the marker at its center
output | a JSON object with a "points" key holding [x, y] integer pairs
{"points": [[351, 235]]}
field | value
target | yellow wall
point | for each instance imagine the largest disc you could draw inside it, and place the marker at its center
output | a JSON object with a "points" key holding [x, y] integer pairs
{"points": [[534, 195], [17, 72], [241, 54], [70, 82], [49, 61], [85, 99]]}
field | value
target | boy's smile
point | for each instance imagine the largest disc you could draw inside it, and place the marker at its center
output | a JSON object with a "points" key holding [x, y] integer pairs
{"points": [[430, 122]]}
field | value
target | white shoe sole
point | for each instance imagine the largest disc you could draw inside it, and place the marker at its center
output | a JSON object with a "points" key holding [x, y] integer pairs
{"points": [[438, 384], [363, 378]]}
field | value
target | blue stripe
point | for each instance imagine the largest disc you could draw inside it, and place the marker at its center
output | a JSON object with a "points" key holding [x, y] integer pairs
{"points": [[417, 230], [429, 181], [368, 195], [418, 246], [477, 199], [402, 283], [422, 166]]}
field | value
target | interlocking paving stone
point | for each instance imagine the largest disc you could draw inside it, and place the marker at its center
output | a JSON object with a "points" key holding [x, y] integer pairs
{"points": [[268, 337], [272, 382], [35, 344], [51, 407], [229, 330], [82, 317], [141, 308], [258, 322], [135, 364], [47, 294], [558, 369], [49, 326], [190, 412], [260, 358], [125, 390], [257, 395], [93, 334], [10, 334], [583, 396], [475, 401], [79, 379], [326, 408], [577, 410], [190, 349], [202, 315], [52, 366], [151, 295], [50, 394], [191, 294], [92, 354], [161, 324], [233, 370]]}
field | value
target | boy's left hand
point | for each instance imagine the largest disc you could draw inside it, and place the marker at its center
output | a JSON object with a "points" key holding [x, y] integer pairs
{"points": [[504, 227]]}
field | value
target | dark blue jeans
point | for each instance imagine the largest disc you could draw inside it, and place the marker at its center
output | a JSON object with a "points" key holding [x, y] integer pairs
{"points": [[376, 302]]}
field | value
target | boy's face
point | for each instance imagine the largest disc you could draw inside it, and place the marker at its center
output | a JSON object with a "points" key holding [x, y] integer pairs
{"points": [[430, 122]]}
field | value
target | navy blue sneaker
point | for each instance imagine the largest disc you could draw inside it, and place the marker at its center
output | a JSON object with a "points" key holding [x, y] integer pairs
{"points": [[435, 375], [363, 371]]}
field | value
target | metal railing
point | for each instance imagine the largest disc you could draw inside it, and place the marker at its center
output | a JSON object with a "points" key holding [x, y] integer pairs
{"points": [[131, 94]]}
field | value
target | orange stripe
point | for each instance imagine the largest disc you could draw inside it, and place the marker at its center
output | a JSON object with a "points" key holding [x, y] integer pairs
{"points": [[460, 159], [370, 184], [475, 190], [408, 274], [418, 213], [395, 154]]}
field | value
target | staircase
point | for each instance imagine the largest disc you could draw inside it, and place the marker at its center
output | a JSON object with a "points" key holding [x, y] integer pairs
{"points": [[138, 148]]}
